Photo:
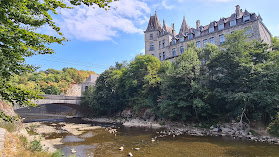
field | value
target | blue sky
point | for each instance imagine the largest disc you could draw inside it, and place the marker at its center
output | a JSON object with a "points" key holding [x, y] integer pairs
{"points": [[99, 38]]}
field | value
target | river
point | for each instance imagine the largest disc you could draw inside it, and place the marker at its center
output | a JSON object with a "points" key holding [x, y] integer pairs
{"points": [[98, 142]]}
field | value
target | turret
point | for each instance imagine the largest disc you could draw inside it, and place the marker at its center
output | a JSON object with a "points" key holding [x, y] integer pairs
{"points": [[237, 11], [198, 24]]}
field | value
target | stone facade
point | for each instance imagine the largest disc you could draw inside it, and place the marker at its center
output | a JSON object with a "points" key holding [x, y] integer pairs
{"points": [[74, 90], [78, 89], [164, 43]]}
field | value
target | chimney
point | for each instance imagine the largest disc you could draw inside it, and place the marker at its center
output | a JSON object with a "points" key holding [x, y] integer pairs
{"points": [[237, 10], [198, 24], [173, 28]]}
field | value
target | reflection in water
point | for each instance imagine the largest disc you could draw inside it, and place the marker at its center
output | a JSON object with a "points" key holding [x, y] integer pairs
{"points": [[100, 143]]}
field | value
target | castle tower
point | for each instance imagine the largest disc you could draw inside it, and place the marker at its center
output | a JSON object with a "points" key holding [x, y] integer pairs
{"points": [[151, 34]]}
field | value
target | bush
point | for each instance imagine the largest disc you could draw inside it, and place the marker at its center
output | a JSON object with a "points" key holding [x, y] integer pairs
{"points": [[58, 153], [273, 127], [36, 145]]}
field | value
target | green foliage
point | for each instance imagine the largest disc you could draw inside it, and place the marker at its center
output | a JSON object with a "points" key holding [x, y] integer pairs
{"points": [[273, 127], [57, 153], [19, 21], [35, 145], [50, 81], [204, 85], [181, 92]]}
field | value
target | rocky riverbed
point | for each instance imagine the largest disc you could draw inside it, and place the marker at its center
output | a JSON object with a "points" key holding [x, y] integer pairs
{"points": [[175, 129]]}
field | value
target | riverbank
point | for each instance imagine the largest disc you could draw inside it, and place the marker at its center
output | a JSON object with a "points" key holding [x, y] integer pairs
{"points": [[170, 128]]}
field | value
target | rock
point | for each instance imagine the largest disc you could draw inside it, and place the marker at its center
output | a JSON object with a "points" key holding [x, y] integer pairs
{"points": [[215, 130], [130, 154]]}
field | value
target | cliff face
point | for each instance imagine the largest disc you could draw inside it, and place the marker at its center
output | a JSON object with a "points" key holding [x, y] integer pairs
{"points": [[7, 109]]}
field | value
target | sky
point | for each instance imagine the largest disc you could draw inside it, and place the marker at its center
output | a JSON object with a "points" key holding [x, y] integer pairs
{"points": [[99, 38]]}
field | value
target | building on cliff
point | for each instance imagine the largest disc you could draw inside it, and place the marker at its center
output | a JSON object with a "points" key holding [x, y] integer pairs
{"points": [[78, 89], [164, 43]]}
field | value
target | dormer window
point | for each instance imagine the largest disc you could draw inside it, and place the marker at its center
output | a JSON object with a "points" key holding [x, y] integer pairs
{"points": [[190, 36], [151, 47], [181, 39], [233, 22], [173, 42], [151, 27], [151, 36], [246, 18], [162, 33], [221, 26], [211, 29]]}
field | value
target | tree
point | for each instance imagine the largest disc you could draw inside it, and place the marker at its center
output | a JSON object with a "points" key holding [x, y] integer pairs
{"points": [[19, 20], [106, 97], [244, 79], [181, 91], [141, 82]]}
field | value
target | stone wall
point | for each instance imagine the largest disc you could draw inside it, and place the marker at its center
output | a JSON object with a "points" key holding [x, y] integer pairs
{"points": [[74, 90]]}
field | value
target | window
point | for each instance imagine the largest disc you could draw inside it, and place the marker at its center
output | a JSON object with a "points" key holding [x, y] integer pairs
{"points": [[151, 27], [164, 56], [212, 40], [173, 42], [151, 36], [152, 54], [198, 44], [181, 49], [232, 32], [211, 29], [248, 31], [246, 18], [221, 39], [164, 43], [160, 56], [151, 47], [173, 52], [204, 42], [220, 26], [190, 36], [86, 88], [181, 39], [162, 33], [159, 44], [232, 23]]}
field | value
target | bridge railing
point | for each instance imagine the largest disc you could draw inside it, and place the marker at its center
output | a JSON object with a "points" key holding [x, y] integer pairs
{"points": [[60, 97]]}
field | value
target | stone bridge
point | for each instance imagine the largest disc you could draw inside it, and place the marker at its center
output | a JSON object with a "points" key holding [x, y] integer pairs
{"points": [[69, 101], [58, 99]]}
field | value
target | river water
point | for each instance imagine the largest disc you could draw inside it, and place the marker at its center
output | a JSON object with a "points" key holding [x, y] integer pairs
{"points": [[100, 143]]}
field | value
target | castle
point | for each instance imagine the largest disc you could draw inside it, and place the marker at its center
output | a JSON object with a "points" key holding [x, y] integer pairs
{"points": [[164, 43]]}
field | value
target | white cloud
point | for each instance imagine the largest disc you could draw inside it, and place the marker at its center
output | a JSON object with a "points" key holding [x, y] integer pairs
{"points": [[87, 23], [180, 1], [167, 6]]}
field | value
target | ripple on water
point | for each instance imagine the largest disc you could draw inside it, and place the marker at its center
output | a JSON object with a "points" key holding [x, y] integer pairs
{"points": [[72, 138]]}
